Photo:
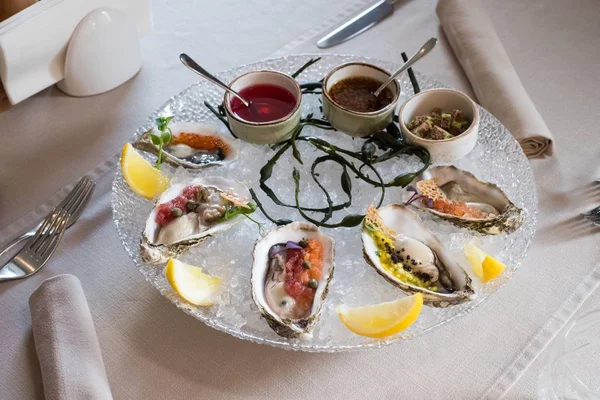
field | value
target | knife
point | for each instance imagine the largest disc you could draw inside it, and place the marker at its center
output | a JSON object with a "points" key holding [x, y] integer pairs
{"points": [[358, 24]]}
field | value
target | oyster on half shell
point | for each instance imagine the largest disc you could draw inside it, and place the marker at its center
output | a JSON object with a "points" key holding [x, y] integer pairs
{"points": [[410, 257], [460, 198], [189, 212], [194, 146], [288, 288]]}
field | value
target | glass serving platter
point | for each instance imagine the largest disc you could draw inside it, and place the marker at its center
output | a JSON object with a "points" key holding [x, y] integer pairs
{"points": [[497, 158]]}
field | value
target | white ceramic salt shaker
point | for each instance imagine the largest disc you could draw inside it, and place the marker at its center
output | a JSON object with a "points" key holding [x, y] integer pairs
{"points": [[104, 52]]}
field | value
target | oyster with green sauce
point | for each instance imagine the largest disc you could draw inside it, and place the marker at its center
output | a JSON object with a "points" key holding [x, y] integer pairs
{"points": [[410, 257], [460, 198]]}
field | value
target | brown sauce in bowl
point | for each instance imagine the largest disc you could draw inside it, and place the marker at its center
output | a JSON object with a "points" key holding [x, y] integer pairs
{"points": [[356, 94]]}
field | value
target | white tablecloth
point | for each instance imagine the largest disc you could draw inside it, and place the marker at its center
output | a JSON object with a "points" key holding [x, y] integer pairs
{"points": [[152, 350]]}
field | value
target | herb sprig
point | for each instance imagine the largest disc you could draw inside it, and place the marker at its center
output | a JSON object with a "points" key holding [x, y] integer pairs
{"points": [[233, 210], [163, 138]]}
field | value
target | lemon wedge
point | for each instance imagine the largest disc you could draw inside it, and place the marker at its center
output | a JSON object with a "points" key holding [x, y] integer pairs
{"points": [[145, 180], [485, 267], [475, 256], [384, 319], [191, 283], [492, 269]]}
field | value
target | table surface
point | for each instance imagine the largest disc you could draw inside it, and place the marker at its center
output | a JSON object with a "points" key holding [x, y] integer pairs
{"points": [[151, 350]]}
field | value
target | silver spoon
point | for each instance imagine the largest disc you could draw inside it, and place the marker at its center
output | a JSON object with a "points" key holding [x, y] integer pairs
{"points": [[193, 65], [426, 48]]}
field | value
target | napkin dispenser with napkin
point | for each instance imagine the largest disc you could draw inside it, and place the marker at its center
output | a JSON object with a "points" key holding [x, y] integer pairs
{"points": [[493, 78], [33, 49]]}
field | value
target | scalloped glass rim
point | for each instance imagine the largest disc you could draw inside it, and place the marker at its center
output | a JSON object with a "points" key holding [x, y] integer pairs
{"points": [[507, 144]]}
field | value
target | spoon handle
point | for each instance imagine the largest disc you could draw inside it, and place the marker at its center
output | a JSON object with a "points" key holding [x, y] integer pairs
{"points": [[193, 65], [426, 48]]}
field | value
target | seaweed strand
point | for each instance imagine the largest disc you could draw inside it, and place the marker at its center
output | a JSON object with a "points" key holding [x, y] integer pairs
{"points": [[411, 75]]}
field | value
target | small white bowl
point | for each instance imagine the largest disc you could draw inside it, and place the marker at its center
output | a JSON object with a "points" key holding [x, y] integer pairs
{"points": [[447, 150], [264, 132], [355, 123]]}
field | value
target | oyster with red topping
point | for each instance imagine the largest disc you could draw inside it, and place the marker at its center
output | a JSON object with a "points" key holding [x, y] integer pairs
{"points": [[292, 269], [189, 212]]}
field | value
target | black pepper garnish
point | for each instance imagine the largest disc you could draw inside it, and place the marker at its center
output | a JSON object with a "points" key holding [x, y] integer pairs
{"points": [[423, 276]]}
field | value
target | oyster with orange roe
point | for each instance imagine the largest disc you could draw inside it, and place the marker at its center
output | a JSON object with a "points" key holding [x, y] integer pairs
{"points": [[292, 269], [193, 146], [460, 198]]}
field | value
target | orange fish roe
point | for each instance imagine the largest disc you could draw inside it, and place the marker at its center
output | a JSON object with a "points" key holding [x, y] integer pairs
{"points": [[458, 208], [298, 276], [313, 253], [305, 300], [201, 142]]}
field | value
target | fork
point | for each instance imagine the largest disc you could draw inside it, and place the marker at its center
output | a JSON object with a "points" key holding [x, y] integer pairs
{"points": [[595, 218], [40, 247], [592, 213], [85, 184]]}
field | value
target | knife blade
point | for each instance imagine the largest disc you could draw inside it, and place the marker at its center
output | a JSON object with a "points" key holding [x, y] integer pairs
{"points": [[358, 24]]}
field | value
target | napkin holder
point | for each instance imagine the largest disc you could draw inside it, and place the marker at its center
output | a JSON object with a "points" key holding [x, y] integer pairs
{"points": [[103, 53], [34, 44]]}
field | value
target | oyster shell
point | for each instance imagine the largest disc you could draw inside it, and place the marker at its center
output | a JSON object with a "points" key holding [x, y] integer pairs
{"points": [[486, 208], [194, 146], [161, 241], [404, 252], [283, 313]]}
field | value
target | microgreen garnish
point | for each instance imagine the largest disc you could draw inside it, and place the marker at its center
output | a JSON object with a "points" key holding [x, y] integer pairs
{"points": [[162, 138], [233, 210]]}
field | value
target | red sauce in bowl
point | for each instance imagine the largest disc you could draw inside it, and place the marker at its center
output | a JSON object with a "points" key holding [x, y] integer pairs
{"points": [[268, 103]]}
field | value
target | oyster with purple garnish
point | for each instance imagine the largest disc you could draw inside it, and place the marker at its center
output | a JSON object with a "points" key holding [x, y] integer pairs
{"points": [[292, 269]]}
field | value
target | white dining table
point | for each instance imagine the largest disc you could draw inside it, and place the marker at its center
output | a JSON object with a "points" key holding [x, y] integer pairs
{"points": [[152, 350]]}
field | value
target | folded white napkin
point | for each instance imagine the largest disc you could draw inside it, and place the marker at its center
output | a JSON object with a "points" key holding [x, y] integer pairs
{"points": [[66, 342], [492, 76]]}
